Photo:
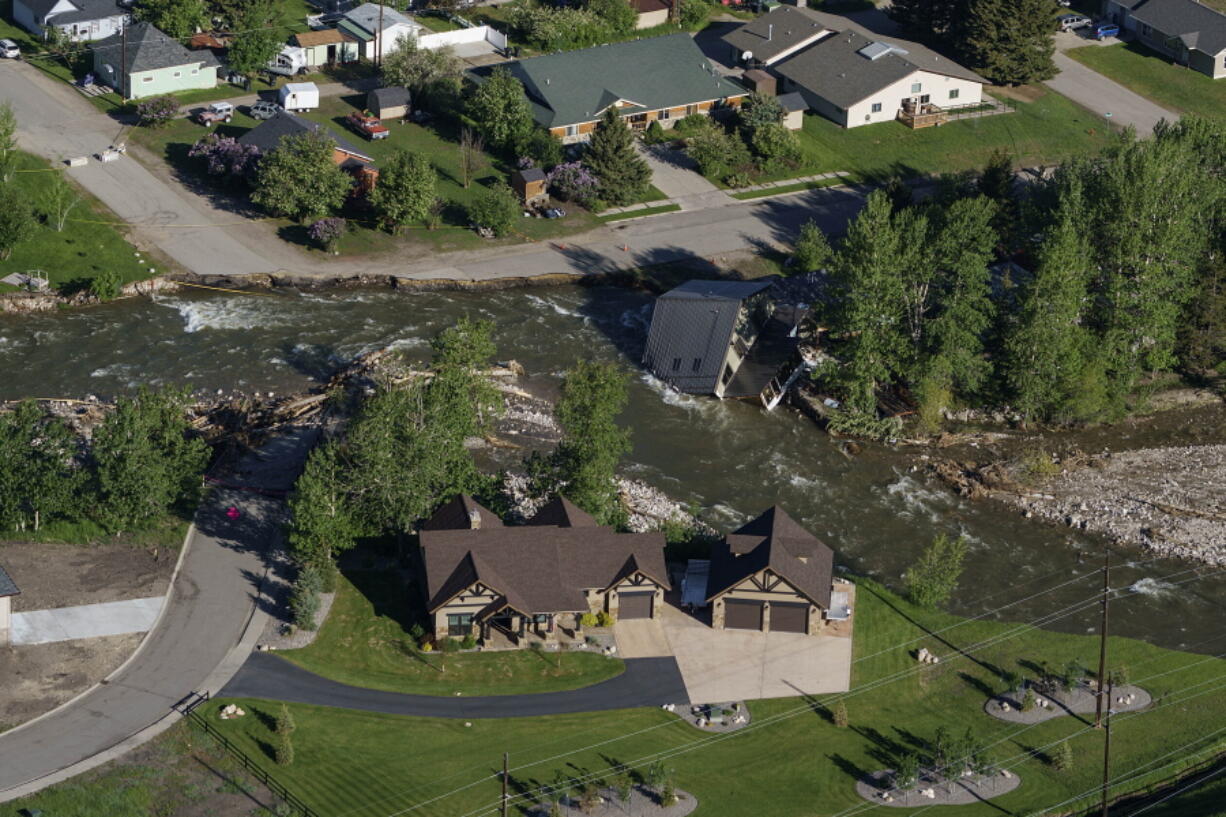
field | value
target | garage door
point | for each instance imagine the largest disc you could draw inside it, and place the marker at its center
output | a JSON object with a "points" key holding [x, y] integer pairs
{"points": [[742, 615], [635, 605], [789, 618]]}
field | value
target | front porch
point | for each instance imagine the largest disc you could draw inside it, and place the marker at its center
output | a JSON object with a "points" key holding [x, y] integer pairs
{"points": [[921, 114], [511, 631]]}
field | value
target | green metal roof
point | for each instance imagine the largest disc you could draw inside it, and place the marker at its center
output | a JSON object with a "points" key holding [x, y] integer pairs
{"points": [[354, 30], [656, 72]]}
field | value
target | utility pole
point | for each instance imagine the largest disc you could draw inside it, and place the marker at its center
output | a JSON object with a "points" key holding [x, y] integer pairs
{"points": [[505, 774], [123, 62], [1102, 648], [379, 40], [1106, 760]]}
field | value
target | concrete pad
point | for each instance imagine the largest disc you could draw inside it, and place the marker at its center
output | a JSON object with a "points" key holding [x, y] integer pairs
{"points": [[86, 621], [676, 176], [732, 665], [641, 638]]}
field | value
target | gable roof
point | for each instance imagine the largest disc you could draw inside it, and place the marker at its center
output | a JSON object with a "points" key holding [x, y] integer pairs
{"points": [[8, 587], [391, 96], [268, 134], [149, 49], [1198, 26], [570, 87], [83, 11], [648, 6], [783, 30], [458, 512], [794, 101], [697, 289], [845, 68], [562, 513], [367, 17], [773, 541], [325, 36], [537, 568]]}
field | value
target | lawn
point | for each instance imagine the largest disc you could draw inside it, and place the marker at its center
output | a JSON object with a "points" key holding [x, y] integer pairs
{"points": [[1045, 131], [792, 761], [90, 242], [365, 642], [1155, 77], [646, 211]]}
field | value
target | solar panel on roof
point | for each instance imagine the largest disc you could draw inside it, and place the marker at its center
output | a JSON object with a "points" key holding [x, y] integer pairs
{"points": [[877, 50]]}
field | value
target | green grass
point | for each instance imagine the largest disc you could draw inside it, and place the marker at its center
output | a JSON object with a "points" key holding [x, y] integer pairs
{"points": [[1048, 130], [365, 642], [436, 22], [369, 765], [90, 242], [646, 211], [788, 188], [168, 531], [1155, 77]]}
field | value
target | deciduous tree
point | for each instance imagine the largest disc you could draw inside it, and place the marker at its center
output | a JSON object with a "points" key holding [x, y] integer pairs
{"points": [[472, 155], [39, 479], [500, 108], [934, 576], [8, 142], [421, 70], [175, 18], [593, 395], [496, 208], [321, 524], [405, 189], [58, 200], [300, 180]]}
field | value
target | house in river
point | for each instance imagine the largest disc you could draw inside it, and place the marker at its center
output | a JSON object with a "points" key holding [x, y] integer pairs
{"points": [[726, 338], [514, 585]]}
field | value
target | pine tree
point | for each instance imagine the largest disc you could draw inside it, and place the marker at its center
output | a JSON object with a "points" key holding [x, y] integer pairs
{"points": [[405, 190], [285, 721], [283, 754], [1062, 756], [812, 249], [624, 176], [1045, 349], [1011, 41]]}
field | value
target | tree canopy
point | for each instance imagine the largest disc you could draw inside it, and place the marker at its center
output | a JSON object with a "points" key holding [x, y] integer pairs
{"points": [[624, 176], [500, 109], [405, 190], [175, 18], [300, 180]]}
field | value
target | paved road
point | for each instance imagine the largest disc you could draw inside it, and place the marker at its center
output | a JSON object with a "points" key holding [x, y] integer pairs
{"points": [[194, 646], [646, 682], [1100, 94]]}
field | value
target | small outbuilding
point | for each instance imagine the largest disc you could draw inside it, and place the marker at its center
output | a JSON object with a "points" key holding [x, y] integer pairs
{"points": [[794, 107], [758, 81], [394, 102], [651, 13], [530, 185], [299, 96], [8, 589]]}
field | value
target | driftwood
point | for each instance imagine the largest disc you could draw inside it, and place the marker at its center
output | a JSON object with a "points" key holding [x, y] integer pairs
{"points": [[1175, 510]]}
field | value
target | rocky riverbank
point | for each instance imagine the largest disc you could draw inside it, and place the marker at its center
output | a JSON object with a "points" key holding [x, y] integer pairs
{"points": [[1170, 501], [27, 302]]}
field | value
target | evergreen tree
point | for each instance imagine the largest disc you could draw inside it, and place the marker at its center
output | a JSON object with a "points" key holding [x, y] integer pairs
{"points": [[866, 313], [937, 22], [1062, 756], [624, 175], [758, 110], [812, 249], [500, 109], [1011, 41], [38, 479], [145, 459], [997, 183], [284, 723], [321, 524], [593, 394], [1045, 348], [405, 190], [300, 180], [17, 222]]}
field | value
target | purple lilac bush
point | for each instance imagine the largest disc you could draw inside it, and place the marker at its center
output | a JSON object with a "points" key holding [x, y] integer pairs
{"points": [[225, 155], [327, 231], [573, 181]]}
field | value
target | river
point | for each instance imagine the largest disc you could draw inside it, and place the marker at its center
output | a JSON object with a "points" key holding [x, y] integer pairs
{"points": [[730, 459]]}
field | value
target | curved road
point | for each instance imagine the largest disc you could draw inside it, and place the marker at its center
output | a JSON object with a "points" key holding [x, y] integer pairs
{"points": [[646, 682], [195, 644]]}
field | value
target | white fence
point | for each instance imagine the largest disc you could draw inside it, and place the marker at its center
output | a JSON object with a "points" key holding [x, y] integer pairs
{"points": [[464, 36]]}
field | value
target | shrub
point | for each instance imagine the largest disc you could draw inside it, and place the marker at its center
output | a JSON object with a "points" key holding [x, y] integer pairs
{"points": [[1118, 676], [655, 134], [496, 209], [327, 232], [588, 620], [604, 619], [542, 148], [427, 647], [693, 12], [225, 156], [1028, 699], [694, 124], [1062, 756], [1037, 465], [776, 144], [738, 179], [839, 715], [284, 752], [284, 724], [573, 181], [157, 111], [304, 598], [106, 285], [468, 642], [934, 576]]}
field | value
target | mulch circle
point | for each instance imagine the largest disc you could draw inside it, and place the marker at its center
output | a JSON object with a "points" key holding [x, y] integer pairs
{"points": [[878, 786], [643, 802], [1080, 700]]}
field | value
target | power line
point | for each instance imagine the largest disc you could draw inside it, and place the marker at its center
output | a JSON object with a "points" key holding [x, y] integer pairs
{"points": [[1180, 791]]}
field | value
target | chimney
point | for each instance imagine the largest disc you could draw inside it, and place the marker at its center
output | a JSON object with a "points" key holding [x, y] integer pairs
{"points": [[474, 519], [770, 31]]}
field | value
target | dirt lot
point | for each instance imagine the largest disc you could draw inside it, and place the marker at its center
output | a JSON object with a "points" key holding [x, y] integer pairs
{"points": [[40, 677]]}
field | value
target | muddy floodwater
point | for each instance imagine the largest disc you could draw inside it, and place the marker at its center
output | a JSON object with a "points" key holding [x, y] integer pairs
{"points": [[729, 459]]}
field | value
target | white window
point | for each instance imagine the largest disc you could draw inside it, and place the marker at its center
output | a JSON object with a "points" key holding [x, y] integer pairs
{"points": [[572, 130], [916, 87], [953, 94], [664, 114], [876, 107]]}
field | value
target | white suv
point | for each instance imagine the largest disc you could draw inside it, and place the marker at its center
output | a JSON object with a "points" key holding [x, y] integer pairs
{"points": [[1072, 22], [9, 50]]}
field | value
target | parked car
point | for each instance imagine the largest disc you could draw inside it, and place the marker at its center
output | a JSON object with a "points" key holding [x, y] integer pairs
{"points": [[367, 125], [1072, 22], [421, 117], [217, 112], [554, 212], [1102, 31], [264, 109], [9, 50]]}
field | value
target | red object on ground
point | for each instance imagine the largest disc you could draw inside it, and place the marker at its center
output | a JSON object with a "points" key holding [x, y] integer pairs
{"points": [[232, 512]]}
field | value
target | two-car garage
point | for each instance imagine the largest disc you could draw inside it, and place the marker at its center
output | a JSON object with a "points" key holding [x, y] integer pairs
{"points": [[750, 614]]}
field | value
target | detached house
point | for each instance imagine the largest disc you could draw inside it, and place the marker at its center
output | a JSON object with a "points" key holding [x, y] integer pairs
{"points": [[1189, 32], [377, 29], [156, 64], [268, 134], [78, 20], [771, 574], [512, 585], [654, 79]]}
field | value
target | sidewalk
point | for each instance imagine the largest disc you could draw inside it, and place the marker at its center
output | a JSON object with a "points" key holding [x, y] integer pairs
{"points": [[86, 621]]}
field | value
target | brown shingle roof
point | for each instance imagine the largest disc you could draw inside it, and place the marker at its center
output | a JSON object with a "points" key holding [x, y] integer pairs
{"points": [[457, 514], [776, 541], [646, 6], [562, 513], [538, 568], [326, 36]]}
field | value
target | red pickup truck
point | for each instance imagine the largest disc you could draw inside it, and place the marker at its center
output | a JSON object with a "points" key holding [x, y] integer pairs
{"points": [[367, 125]]}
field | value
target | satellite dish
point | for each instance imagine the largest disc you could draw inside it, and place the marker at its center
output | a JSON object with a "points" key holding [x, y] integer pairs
{"points": [[747, 56]]}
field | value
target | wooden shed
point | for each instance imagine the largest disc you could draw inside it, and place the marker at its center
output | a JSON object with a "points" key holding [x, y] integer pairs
{"points": [[758, 81], [794, 107], [530, 184], [389, 103], [8, 589]]}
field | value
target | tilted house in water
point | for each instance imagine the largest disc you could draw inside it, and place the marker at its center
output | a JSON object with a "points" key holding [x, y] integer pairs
{"points": [[511, 586], [725, 338]]}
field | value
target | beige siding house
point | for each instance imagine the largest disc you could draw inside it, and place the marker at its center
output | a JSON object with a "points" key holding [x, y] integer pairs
{"points": [[511, 586], [1191, 33]]}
